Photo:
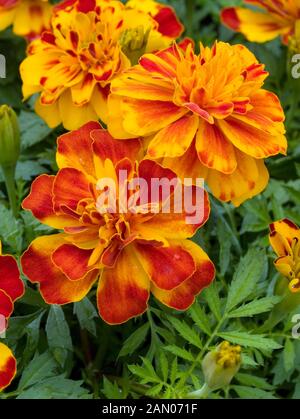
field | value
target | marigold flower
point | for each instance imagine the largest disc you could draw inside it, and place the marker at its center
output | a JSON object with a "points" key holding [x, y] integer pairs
{"points": [[285, 240], [129, 254], [8, 366], [28, 17], [11, 289], [205, 115], [88, 45], [11, 286], [274, 18]]}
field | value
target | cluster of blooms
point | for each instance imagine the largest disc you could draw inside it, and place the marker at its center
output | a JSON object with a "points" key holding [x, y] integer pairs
{"points": [[170, 114], [11, 289], [88, 45]]}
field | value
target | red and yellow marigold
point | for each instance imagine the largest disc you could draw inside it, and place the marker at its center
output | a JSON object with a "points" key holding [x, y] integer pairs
{"points": [[28, 17], [206, 115], [128, 254], [11, 289], [88, 45], [285, 240], [272, 19]]}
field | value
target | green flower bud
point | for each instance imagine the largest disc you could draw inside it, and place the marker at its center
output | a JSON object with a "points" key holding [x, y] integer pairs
{"points": [[221, 365], [9, 137], [134, 42]]}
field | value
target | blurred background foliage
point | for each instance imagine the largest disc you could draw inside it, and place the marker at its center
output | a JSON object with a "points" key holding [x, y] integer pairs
{"points": [[70, 353]]}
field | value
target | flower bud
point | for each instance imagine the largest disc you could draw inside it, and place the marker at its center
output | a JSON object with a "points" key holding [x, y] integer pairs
{"points": [[221, 365], [134, 42], [294, 41], [9, 137]]}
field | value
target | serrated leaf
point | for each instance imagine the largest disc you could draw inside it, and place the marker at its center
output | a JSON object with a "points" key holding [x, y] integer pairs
{"points": [[163, 366], [33, 129], [245, 392], [58, 334], [174, 371], [289, 355], [212, 298], [134, 341], [247, 275], [155, 390], [86, 313], [186, 331], [56, 388], [250, 341], [111, 390], [252, 380], [180, 352], [200, 318], [41, 367], [255, 307]]}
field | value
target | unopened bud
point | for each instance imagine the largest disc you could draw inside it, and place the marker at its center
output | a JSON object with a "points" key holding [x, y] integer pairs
{"points": [[134, 43], [221, 365], [9, 137]]}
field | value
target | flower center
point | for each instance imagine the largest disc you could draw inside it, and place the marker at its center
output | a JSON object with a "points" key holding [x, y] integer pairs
{"points": [[228, 356]]}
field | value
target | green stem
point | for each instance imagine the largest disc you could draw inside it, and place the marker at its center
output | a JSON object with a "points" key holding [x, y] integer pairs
{"points": [[9, 177], [203, 393], [190, 4], [202, 353]]}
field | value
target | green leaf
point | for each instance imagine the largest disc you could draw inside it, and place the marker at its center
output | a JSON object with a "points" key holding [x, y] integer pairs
{"points": [[245, 392], [33, 129], [255, 307], [134, 341], [180, 352], [200, 318], [246, 277], [56, 388], [250, 341], [174, 371], [252, 380], [146, 372], [41, 367], [111, 390], [58, 334], [155, 390], [11, 230], [212, 298], [163, 366], [289, 355], [186, 331], [86, 313]]}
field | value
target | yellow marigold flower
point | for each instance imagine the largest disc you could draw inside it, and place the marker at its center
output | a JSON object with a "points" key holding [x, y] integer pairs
{"points": [[28, 17], [274, 18], [206, 115], [73, 64], [285, 240]]}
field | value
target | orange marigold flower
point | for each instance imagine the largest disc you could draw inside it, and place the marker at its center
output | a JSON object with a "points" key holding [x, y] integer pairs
{"points": [[285, 240], [11, 289], [206, 115], [28, 17], [89, 44], [274, 18], [129, 254]]}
